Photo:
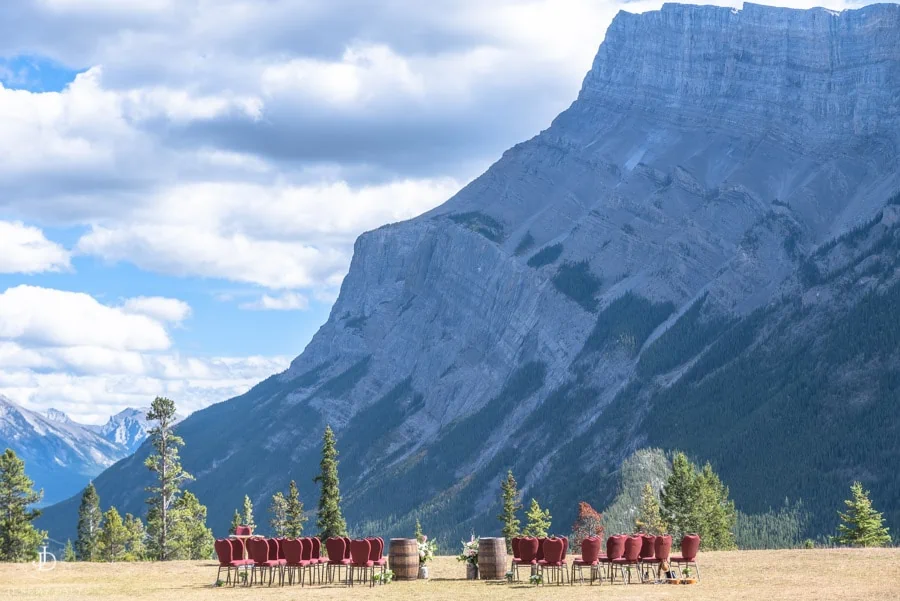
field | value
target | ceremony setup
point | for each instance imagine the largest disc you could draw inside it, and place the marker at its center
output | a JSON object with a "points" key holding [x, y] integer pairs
{"points": [[540, 560]]}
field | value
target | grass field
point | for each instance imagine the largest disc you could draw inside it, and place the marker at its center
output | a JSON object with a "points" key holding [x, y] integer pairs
{"points": [[797, 575]]}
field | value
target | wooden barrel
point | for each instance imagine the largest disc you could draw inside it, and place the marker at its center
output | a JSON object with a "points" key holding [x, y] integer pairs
{"points": [[403, 558], [492, 559]]}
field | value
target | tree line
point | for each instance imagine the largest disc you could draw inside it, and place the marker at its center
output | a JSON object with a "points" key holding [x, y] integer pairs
{"points": [[692, 500]]}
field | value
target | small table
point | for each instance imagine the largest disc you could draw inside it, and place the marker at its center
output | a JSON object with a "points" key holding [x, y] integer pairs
{"points": [[243, 538]]}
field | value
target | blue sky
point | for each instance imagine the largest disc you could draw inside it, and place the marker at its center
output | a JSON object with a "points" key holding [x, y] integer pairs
{"points": [[182, 181]]}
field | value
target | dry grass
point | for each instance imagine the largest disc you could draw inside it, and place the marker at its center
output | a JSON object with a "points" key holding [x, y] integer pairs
{"points": [[796, 575]]}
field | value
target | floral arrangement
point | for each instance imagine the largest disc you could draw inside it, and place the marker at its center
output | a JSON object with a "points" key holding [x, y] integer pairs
{"points": [[469, 551], [384, 577], [509, 576], [536, 579], [427, 550]]}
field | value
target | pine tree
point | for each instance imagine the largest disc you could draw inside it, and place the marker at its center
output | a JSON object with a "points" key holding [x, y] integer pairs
{"points": [[69, 552], [136, 546], [588, 523], [329, 521], [166, 465], [418, 534], [862, 525], [278, 509], [191, 539], [247, 515], [19, 540], [113, 537], [649, 519], [89, 518], [512, 503], [295, 517], [235, 522], [538, 520], [680, 497], [717, 515]]}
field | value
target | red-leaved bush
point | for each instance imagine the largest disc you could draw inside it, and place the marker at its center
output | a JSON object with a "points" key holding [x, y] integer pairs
{"points": [[589, 523]]}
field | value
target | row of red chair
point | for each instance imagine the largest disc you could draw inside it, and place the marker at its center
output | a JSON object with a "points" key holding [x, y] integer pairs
{"points": [[622, 554], [293, 557]]}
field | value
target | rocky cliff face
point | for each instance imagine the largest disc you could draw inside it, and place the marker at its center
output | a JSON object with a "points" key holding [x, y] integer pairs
{"points": [[709, 154]]}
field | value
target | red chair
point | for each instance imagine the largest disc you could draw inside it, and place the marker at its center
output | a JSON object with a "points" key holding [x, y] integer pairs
{"points": [[690, 546], [335, 547], [590, 557], [258, 549], [631, 557], [528, 549], [227, 560], [648, 555], [376, 553], [360, 550], [317, 561], [277, 555], [347, 547], [514, 542], [554, 561], [615, 549], [293, 554], [243, 530], [540, 551]]}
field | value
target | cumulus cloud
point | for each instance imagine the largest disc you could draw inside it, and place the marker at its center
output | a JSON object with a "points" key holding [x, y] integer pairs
{"points": [[47, 317], [25, 249], [159, 308]]}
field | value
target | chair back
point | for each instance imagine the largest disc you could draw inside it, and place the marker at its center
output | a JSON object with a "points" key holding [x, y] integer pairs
{"points": [[258, 550], [540, 551], [346, 547], [554, 549], [243, 530], [565, 540], [632, 548], [223, 551], [280, 542], [360, 549], [316, 548], [663, 547], [306, 546], [648, 546], [376, 549], [273, 549], [515, 547], [528, 549], [335, 547], [615, 547], [237, 548], [590, 549], [293, 551], [690, 545]]}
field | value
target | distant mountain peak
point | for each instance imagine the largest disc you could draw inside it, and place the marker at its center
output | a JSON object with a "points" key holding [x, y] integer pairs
{"points": [[55, 415]]}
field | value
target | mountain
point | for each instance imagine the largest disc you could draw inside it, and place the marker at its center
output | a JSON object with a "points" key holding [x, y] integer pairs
{"points": [[60, 455], [702, 252], [126, 429]]}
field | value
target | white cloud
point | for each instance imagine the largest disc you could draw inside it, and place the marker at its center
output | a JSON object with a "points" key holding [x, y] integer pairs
{"points": [[287, 301], [47, 317], [24, 249], [159, 308]]}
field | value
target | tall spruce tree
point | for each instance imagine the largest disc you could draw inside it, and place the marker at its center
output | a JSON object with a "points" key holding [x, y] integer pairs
{"points": [[862, 525], [113, 537], [329, 520], [538, 520], [165, 463], [649, 518], [680, 497], [69, 552], [89, 520], [717, 515], [19, 540], [295, 516], [511, 501], [247, 513]]}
